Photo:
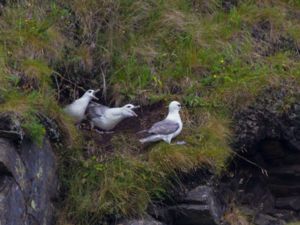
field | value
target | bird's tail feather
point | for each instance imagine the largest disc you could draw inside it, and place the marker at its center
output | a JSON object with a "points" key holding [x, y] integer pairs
{"points": [[150, 139]]}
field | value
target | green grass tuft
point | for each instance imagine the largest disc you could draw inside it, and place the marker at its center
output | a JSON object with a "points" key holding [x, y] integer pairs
{"points": [[124, 186], [34, 129]]}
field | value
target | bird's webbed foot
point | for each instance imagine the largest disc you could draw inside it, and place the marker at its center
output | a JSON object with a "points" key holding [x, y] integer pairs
{"points": [[178, 143]]}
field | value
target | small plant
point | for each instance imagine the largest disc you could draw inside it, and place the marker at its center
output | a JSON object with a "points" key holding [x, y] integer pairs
{"points": [[34, 129]]}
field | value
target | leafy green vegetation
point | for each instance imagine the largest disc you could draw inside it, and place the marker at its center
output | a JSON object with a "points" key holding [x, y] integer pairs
{"points": [[30, 43], [125, 185], [214, 57], [122, 186], [206, 145], [35, 129]]}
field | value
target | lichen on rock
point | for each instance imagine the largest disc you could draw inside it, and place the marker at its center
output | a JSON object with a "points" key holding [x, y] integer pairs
{"points": [[26, 193]]}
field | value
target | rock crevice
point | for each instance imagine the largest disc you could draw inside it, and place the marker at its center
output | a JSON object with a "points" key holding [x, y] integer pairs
{"points": [[267, 133]]}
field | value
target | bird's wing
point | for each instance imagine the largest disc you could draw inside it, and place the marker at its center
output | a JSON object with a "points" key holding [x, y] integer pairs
{"points": [[96, 110], [164, 127]]}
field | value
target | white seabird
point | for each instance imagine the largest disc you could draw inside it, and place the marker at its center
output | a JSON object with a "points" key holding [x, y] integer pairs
{"points": [[168, 128], [77, 108], [107, 118]]}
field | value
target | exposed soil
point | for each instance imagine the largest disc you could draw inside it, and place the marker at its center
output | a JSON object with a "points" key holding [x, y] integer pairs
{"points": [[103, 146], [269, 41]]}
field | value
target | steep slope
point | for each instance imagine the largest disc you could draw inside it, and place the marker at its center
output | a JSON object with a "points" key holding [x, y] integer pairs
{"points": [[216, 56]]}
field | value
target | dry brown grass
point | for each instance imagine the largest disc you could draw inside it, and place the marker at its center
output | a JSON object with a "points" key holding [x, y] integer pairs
{"points": [[235, 217]]}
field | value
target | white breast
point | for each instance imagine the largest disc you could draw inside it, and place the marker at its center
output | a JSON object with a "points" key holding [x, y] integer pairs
{"points": [[175, 116], [77, 109]]}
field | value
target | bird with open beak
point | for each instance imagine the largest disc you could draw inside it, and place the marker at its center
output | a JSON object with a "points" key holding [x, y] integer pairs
{"points": [[77, 108], [106, 118]]}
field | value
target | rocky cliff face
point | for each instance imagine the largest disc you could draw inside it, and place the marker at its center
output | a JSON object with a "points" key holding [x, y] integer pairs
{"points": [[268, 133], [267, 187], [28, 179]]}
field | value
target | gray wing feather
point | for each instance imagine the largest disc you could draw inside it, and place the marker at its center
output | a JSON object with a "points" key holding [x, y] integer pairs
{"points": [[96, 110], [164, 127]]}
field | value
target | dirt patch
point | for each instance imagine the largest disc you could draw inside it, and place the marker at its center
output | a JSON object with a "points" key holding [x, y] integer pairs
{"points": [[124, 138], [269, 42]]}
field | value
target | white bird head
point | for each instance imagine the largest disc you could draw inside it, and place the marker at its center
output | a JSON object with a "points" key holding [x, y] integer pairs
{"points": [[174, 106], [127, 110], [90, 94]]}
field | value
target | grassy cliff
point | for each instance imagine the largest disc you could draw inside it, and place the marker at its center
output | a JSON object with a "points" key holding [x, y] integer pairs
{"points": [[215, 56]]}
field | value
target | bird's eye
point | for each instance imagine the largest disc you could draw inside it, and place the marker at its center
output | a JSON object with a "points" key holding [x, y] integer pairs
{"points": [[179, 105], [90, 91]]}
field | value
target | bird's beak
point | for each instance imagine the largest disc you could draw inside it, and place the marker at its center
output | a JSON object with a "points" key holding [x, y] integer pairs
{"points": [[137, 107], [94, 97], [133, 113]]}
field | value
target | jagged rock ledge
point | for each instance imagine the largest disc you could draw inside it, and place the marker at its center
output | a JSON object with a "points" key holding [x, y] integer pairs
{"points": [[28, 178]]}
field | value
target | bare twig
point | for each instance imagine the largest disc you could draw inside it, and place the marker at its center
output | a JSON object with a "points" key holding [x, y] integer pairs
{"points": [[69, 81], [104, 90], [58, 86], [264, 171]]}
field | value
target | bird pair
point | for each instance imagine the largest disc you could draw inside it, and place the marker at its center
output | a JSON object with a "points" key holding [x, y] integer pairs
{"points": [[107, 118], [99, 115]]}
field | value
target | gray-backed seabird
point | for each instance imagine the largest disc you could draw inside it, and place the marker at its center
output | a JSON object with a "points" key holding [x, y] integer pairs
{"points": [[107, 118], [168, 128]]}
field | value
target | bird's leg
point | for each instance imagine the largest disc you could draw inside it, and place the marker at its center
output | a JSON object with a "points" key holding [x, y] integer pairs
{"points": [[99, 131], [109, 132], [180, 143], [91, 125], [103, 132], [168, 139]]}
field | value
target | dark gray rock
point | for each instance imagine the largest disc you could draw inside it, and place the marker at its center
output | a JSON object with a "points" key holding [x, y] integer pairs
{"points": [[146, 221], [28, 183], [283, 190], [52, 128], [285, 179], [12, 208], [268, 118], [285, 215], [288, 203], [263, 219], [10, 127], [199, 206], [268, 134]]}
